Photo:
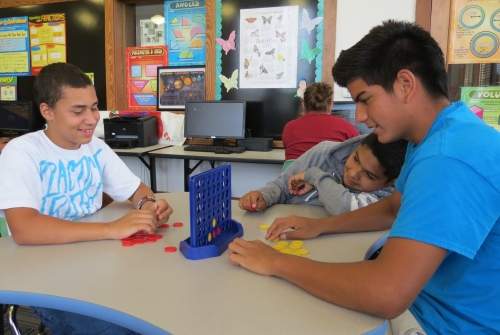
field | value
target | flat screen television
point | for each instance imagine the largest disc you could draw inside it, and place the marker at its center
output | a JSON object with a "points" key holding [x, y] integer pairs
{"points": [[215, 119], [18, 118]]}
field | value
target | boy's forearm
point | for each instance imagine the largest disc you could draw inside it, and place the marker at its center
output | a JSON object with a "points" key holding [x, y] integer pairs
{"points": [[141, 192], [44, 229], [343, 284], [375, 217]]}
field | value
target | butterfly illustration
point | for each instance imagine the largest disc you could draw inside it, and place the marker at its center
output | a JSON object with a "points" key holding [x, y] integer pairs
{"points": [[228, 44], [307, 53], [266, 19], [270, 52], [307, 23], [279, 75], [280, 57], [256, 50], [301, 89], [247, 75], [251, 19], [230, 83], [281, 36], [262, 69], [255, 33], [280, 17], [246, 63]]}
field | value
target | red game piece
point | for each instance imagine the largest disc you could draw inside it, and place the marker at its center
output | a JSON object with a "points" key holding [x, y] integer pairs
{"points": [[164, 225], [178, 224], [170, 249]]}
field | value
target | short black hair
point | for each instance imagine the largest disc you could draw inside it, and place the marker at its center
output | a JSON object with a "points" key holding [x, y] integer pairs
{"points": [[318, 97], [53, 77], [391, 156], [389, 48]]}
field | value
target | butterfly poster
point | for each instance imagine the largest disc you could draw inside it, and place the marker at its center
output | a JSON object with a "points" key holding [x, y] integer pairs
{"points": [[268, 47], [185, 32], [178, 85]]}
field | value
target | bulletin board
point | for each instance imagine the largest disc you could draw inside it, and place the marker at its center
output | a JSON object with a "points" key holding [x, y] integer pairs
{"points": [[256, 40], [84, 40]]}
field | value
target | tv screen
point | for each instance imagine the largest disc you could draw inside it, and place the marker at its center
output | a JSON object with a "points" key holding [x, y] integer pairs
{"points": [[215, 119], [17, 118]]}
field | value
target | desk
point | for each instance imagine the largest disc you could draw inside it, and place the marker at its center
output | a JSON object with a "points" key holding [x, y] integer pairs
{"points": [[171, 294], [141, 152], [275, 156]]}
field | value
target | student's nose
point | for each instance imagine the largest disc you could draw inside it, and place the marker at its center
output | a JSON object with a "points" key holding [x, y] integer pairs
{"points": [[361, 114], [92, 117]]}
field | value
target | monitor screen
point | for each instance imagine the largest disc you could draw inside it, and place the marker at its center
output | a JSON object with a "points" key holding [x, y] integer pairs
{"points": [[17, 118], [215, 119]]}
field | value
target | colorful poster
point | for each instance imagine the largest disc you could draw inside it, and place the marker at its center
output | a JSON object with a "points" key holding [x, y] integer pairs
{"points": [[151, 33], [484, 102], [8, 88], [268, 47], [185, 32], [142, 66], [474, 32], [176, 86], [48, 40], [14, 46]]}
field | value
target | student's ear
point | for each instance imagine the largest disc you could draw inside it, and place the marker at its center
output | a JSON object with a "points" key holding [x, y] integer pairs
{"points": [[405, 84], [46, 111]]}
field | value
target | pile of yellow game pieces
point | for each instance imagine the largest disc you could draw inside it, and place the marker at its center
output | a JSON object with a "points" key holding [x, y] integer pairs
{"points": [[294, 247]]}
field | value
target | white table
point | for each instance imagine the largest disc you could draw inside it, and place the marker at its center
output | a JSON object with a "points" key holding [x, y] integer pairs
{"points": [[152, 292]]}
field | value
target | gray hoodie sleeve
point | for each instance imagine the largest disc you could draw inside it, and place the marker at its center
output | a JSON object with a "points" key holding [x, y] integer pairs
{"points": [[276, 191], [334, 196]]}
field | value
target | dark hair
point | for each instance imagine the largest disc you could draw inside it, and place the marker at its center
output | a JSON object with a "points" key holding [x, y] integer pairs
{"points": [[318, 97], [53, 77], [390, 155], [389, 48]]}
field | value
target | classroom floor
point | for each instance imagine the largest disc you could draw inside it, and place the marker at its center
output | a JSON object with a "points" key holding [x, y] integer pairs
{"points": [[27, 322]]}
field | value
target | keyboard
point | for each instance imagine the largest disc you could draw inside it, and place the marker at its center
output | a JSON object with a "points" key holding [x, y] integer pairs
{"points": [[218, 149]]}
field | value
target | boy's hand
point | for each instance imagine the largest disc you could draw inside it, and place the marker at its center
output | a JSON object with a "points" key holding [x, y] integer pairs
{"points": [[160, 208], [134, 221], [253, 201], [254, 256], [297, 185], [294, 228]]}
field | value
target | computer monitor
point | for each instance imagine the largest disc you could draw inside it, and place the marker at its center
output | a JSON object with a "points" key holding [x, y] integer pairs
{"points": [[18, 118], [215, 119]]}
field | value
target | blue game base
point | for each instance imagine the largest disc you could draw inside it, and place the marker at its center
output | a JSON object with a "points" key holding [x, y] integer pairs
{"points": [[212, 250]]}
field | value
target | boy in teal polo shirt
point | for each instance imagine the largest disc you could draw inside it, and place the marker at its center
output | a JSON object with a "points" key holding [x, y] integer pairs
{"points": [[442, 257]]}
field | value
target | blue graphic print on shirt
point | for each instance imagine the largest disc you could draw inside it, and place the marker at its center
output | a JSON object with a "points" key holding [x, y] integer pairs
{"points": [[73, 190]]}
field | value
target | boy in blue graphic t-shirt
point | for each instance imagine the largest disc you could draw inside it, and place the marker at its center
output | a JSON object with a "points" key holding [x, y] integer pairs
{"points": [[442, 257], [53, 177]]}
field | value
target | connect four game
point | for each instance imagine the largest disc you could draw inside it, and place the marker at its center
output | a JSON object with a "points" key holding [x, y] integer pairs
{"points": [[211, 225]]}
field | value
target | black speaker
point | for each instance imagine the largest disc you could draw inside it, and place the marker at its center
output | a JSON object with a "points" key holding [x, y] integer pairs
{"points": [[257, 143]]}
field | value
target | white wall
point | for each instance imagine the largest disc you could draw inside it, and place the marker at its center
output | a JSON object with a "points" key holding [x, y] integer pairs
{"points": [[356, 17]]}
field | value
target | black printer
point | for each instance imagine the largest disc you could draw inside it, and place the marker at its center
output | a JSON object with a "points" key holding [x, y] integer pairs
{"points": [[130, 131]]}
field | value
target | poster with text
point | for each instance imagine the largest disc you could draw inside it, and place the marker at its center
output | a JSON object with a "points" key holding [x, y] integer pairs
{"points": [[185, 32], [179, 85], [14, 46], [151, 33], [484, 102], [48, 40], [8, 88], [142, 65], [474, 32], [268, 47]]}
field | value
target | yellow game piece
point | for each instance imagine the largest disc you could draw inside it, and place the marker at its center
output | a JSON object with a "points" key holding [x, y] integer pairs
{"points": [[264, 227], [214, 222], [287, 251], [209, 237], [302, 252], [281, 245], [296, 244]]}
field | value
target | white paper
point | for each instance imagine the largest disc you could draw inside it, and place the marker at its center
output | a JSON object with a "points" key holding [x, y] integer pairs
{"points": [[151, 33], [268, 47]]}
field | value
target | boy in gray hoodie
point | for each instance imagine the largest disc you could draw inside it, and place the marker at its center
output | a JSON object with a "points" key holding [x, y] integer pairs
{"points": [[340, 176]]}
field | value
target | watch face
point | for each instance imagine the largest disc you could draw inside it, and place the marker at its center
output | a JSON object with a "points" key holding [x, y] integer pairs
{"points": [[484, 44], [495, 20], [471, 16]]}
